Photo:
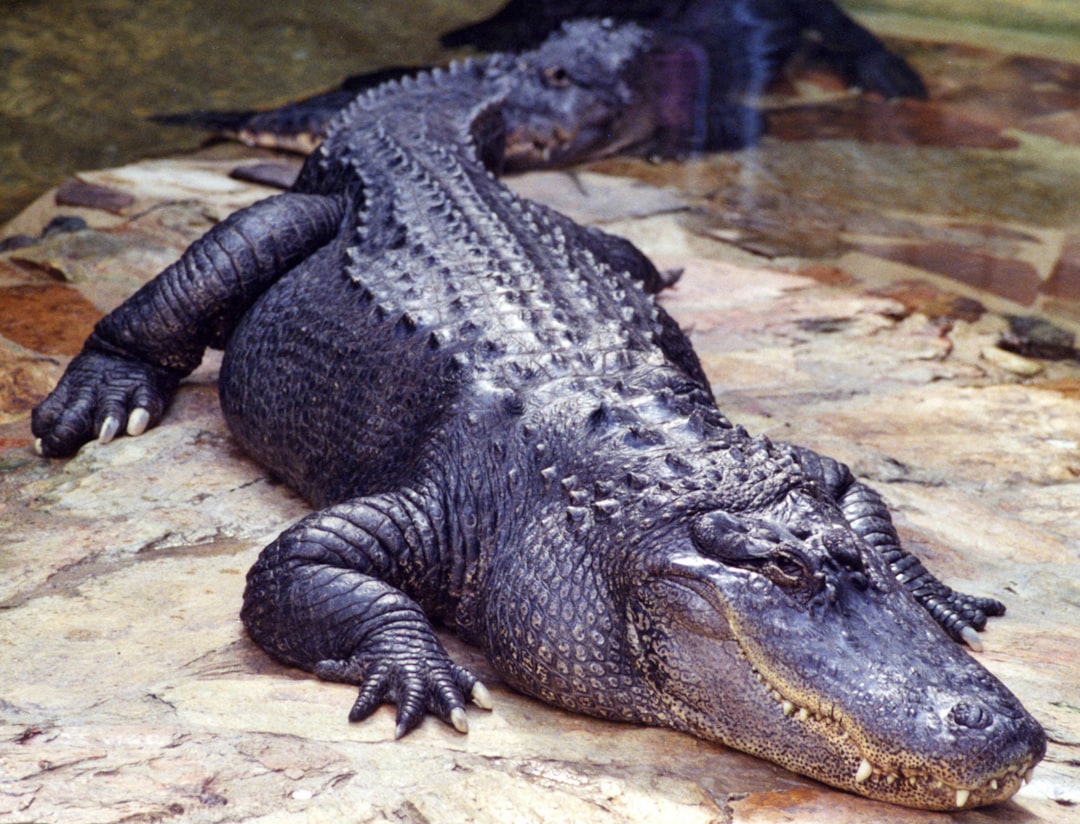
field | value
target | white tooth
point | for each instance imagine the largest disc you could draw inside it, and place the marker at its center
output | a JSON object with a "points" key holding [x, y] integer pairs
{"points": [[803, 714], [962, 797], [788, 708], [865, 770], [890, 779], [912, 780], [993, 784]]}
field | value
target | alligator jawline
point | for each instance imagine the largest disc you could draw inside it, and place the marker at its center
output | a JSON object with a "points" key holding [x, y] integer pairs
{"points": [[867, 770]]}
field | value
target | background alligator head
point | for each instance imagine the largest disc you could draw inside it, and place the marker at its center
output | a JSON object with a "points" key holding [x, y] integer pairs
{"points": [[605, 99]]}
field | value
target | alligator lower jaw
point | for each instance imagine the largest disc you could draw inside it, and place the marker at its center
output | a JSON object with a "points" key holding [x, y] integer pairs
{"points": [[909, 788]]}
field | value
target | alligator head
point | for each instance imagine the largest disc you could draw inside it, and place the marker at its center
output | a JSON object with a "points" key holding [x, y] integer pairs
{"points": [[588, 91], [763, 621]]}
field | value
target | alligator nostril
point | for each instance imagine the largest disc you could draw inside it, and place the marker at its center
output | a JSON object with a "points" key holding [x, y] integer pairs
{"points": [[972, 715]]}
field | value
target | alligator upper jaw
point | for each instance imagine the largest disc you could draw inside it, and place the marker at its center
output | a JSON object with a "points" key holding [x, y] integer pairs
{"points": [[849, 762]]}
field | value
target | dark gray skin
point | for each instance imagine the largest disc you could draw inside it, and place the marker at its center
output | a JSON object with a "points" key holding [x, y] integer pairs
{"points": [[506, 435]]}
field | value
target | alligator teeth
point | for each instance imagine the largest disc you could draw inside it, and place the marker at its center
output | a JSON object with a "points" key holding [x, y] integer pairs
{"points": [[803, 714], [993, 784], [962, 797], [866, 769], [788, 708]]}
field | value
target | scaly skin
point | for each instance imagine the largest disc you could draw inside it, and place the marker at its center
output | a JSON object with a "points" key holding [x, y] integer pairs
{"points": [[506, 434]]}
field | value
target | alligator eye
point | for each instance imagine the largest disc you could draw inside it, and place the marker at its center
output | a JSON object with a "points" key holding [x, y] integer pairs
{"points": [[760, 548], [556, 77], [787, 569]]}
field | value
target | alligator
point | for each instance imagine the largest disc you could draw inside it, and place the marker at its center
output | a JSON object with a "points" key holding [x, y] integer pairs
{"points": [[503, 433], [717, 56]]}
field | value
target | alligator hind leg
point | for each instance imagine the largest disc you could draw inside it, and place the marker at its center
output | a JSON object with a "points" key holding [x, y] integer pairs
{"points": [[959, 614], [327, 596]]}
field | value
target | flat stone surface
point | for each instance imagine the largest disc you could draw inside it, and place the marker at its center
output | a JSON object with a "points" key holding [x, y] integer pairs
{"points": [[131, 692]]}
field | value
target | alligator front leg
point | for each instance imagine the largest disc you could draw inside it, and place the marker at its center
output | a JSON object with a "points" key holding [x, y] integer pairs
{"points": [[959, 614], [130, 366], [327, 596]]}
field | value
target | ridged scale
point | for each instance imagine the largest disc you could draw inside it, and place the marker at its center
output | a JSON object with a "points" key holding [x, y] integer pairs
{"points": [[475, 263]]}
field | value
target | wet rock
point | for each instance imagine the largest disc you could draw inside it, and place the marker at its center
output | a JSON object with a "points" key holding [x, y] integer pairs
{"points": [[47, 317], [1035, 337], [75, 192], [1016, 280], [1064, 280], [932, 301], [1011, 362], [899, 122]]}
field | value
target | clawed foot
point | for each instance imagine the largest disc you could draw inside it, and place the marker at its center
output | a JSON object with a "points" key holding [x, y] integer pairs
{"points": [[98, 397], [962, 616], [416, 685]]}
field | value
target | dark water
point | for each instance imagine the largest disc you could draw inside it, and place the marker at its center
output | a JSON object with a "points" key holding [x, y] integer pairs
{"points": [[77, 79]]}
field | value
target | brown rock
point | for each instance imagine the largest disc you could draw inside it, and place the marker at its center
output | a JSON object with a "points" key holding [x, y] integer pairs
{"points": [[1064, 280], [49, 318], [75, 192], [1013, 279]]}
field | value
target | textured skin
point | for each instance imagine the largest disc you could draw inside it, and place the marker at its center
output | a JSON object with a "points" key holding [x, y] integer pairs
{"points": [[506, 435]]}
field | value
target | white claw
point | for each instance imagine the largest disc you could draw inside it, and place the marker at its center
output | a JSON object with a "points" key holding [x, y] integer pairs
{"points": [[458, 719], [971, 638], [962, 798], [481, 697], [138, 420], [109, 428], [866, 769], [1029, 775], [37, 446]]}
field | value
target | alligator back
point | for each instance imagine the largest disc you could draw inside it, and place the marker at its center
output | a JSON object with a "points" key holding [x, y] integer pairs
{"points": [[444, 294]]}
